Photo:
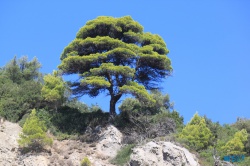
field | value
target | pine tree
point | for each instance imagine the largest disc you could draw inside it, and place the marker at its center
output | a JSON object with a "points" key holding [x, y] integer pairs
{"points": [[33, 136], [196, 133], [114, 55]]}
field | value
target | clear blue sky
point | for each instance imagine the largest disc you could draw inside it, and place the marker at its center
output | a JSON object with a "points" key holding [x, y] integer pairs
{"points": [[209, 43]]}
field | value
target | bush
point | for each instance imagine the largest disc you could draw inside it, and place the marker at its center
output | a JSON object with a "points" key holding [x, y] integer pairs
{"points": [[24, 118], [196, 133], [137, 120], [17, 100], [243, 123], [235, 146], [206, 157], [123, 156], [172, 119], [71, 121], [33, 136], [19, 88], [85, 162]]}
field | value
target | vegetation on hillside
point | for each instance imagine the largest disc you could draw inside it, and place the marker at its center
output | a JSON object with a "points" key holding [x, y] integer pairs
{"points": [[20, 88], [196, 134], [123, 155], [33, 136], [111, 55]]}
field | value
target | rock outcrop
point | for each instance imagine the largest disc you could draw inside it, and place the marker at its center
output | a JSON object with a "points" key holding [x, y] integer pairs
{"points": [[110, 141], [107, 145], [9, 133], [162, 153], [99, 152], [66, 152]]}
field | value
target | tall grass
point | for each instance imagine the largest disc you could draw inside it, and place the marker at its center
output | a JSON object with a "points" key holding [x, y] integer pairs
{"points": [[123, 156]]}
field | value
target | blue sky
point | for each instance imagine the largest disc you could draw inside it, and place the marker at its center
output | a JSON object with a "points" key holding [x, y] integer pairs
{"points": [[209, 43]]}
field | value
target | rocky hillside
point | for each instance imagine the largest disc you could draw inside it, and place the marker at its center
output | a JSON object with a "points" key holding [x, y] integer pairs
{"points": [[71, 152]]}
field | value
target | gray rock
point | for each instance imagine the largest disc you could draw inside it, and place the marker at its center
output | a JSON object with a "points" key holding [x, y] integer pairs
{"points": [[38, 160], [162, 153], [109, 142], [8, 143]]}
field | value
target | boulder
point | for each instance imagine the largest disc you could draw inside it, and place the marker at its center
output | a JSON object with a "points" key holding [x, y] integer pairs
{"points": [[109, 141], [162, 153]]}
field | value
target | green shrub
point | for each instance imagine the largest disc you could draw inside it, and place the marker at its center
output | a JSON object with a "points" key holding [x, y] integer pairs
{"points": [[33, 136], [243, 123], [71, 121], [22, 121], [123, 155], [85, 162], [196, 133], [172, 115], [17, 100], [206, 157], [235, 146]]}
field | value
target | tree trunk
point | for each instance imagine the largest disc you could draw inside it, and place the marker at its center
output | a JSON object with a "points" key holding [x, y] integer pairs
{"points": [[113, 102]]}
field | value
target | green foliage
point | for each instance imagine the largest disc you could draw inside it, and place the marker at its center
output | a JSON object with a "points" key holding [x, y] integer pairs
{"points": [[138, 91], [76, 104], [243, 123], [22, 121], [224, 134], [54, 89], [215, 128], [178, 119], [12, 71], [20, 90], [71, 121], [22, 70], [157, 111], [139, 120], [114, 55], [196, 133], [33, 135], [172, 115], [46, 117], [161, 104], [206, 157], [227, 141], [245, 162], [85, 162], [29, 70], [17, 100], [130, 105], [235, 146], [123, 155]]}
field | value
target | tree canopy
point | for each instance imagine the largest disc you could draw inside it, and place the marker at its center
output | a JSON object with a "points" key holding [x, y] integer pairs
{"points": [[114, 55], [22, 69]]}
